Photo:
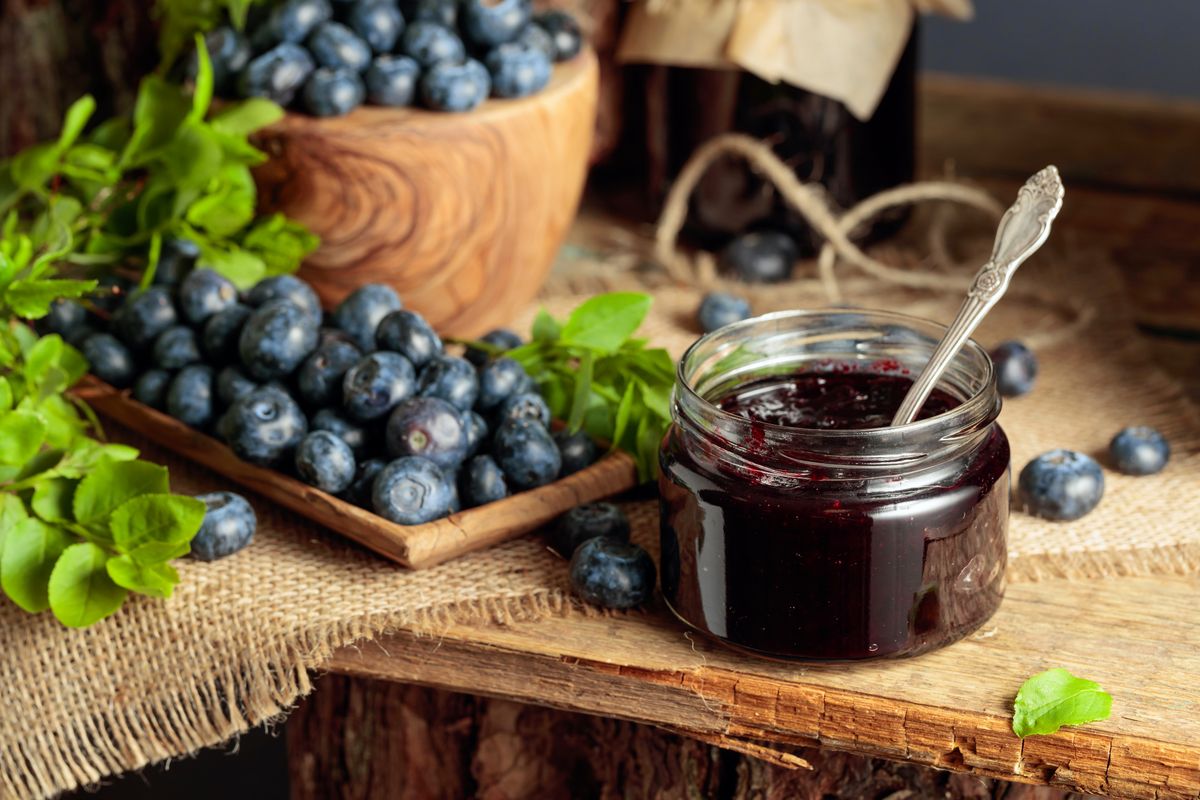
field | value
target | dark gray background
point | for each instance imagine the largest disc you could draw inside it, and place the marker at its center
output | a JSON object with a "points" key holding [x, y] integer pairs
{"points": [[1145, 46]]}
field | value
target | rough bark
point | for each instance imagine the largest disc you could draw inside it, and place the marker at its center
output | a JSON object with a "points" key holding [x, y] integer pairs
{"points": [[361, 740]]}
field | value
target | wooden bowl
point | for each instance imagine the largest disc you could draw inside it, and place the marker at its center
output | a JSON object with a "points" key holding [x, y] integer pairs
{"points": [[461, 213]]}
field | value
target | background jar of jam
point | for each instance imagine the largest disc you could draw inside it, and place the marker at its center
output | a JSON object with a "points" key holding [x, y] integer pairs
{"points": [[795, 524]]}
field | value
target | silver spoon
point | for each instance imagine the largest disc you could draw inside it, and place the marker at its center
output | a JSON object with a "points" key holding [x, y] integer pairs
{"points": [[1023, 229]]}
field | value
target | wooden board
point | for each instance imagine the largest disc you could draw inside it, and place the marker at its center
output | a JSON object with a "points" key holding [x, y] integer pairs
{"points": [[414, 546], [949, 709]]}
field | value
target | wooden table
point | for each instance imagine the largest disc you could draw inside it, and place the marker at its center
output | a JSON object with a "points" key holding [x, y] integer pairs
{"points": [[1140, 638]]}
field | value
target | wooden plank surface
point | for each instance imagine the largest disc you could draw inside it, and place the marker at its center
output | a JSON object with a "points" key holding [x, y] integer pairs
{"points": [[949, 709]]}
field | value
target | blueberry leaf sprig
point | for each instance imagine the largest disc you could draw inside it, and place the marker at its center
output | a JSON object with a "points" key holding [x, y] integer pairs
{"points": [[180, 20], [173, 169], [598, 377], [1054, 698], [83, 522]]}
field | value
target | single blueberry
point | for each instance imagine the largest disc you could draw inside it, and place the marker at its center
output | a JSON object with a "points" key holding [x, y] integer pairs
{"points": [[377, 22], [392, 80], [363, 309], [587, 522], [205, 292], [151, 388], [277, 74], [1139, 450], [451, 378], [64, 315], [109, 359], [518, 70], [477, 430], [763, 257], [229, 524], [430, 428], [501, 338], [353, 434], [232, 385], [276, 338], [526, 453], [323, 460], [145, 315], [176, 347], [264, 426], [359, 491], [333, 92], [488, 23], [718, 310], [410, 491], [577, 449], [429, 43], [292, 21], [319, 379], [175, 260], [481, 481], [219, 339], [612, 574], [1061, 485], [443, 12], [286, 287], [407, 333], [334, 45], [1016, 368], [377, 384], [538, 37], [228, 52], [455, 86], [564, 32], [498, 379], [524, 405], [190, 397]]}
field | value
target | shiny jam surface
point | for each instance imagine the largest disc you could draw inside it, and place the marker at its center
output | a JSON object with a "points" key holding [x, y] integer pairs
{"points": [[812, 563]]}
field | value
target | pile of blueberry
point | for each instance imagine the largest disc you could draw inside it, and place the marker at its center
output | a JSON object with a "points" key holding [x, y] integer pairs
{"points": [[330, 56], [364, 403]]}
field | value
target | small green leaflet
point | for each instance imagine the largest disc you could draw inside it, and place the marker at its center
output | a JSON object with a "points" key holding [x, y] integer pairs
{"points": [[155, 579], [163, 518], [604, 322], [21, 435], [1054, 698], [30, 552], [80, 589], [111, 484]]}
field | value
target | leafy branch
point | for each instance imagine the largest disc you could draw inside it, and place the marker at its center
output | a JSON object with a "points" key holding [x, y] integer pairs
{"points": [[597, 376]]}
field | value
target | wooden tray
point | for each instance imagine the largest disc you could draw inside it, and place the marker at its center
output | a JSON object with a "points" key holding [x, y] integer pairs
{"points": [[414, 546]]}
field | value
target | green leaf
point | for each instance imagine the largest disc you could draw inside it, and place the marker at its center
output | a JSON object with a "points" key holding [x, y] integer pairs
{"points": [[6, 395], [31, 299], [203, 92], [164, 518], [281, 243], [86, 454], [34, 166], [246, 117], [159, 552], [63, 424], [112, 483], [229, 206], [30, 552], [583, 392], [52, 499], [622, 419], [21, 435], [656, 399], [81, 592], [192, 156], [603, 322], [1054, 698], [156, 580], [160, 109], [12, 514], [545, 327], [76, 120], [649, 438], [242, 267]]}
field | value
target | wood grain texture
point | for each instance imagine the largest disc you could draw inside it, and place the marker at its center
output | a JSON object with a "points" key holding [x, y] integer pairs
{"points": [[414, 546], [462, 214], [950, 709], [374, 740]]}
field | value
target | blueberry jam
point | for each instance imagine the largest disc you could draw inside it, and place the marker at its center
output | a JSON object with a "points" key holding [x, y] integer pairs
{"points": [[795, 531]]}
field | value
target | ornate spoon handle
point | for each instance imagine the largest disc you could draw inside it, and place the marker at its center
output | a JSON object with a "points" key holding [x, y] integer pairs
{"points": [[1023, 229]]}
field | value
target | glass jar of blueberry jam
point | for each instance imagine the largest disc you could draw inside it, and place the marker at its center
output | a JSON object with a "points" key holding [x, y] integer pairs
{"points": [[796, 524]]}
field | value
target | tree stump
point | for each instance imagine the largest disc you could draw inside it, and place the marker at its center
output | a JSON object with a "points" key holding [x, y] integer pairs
{"points": [[356, 739]]}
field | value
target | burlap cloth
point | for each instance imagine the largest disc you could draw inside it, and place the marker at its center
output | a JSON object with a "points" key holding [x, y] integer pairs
{"points": [[234, 647]]}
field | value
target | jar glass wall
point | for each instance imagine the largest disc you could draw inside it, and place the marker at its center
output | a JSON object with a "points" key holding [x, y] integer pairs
{"points": [[833, 544]]}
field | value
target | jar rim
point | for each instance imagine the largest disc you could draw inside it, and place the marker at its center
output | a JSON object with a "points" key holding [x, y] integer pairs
{"points": [[981, 406]]}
